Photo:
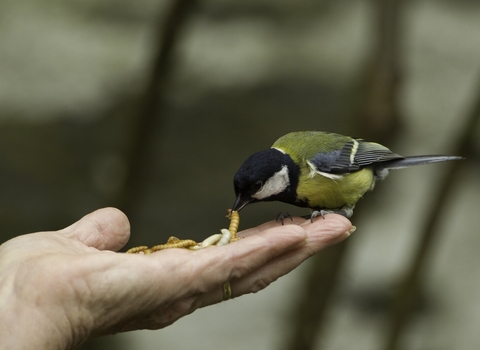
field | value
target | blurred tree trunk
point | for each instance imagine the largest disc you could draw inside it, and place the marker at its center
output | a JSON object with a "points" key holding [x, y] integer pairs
{"points": [[402, 305], [147, 119], [149, 115], [379, 116], [378, 119]]}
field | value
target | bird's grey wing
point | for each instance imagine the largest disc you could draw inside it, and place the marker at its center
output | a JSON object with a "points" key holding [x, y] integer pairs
{"points": [[353, 156]]}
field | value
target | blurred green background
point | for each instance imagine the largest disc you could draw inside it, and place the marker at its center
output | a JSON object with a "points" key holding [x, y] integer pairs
{"points": [[151, 106]]}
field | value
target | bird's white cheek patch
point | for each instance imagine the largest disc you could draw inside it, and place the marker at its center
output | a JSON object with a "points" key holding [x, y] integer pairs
{"points": [[274, 185]]}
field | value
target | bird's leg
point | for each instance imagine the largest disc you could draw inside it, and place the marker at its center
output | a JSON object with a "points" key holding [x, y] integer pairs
{"points": [[345, 211], [281, 216]]}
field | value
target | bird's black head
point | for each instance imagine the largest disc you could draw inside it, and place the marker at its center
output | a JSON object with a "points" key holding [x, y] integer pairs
{"points": [[265, 176]]}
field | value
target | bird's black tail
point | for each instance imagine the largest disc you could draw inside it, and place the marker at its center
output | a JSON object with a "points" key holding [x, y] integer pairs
{"points": [[382, 168]]}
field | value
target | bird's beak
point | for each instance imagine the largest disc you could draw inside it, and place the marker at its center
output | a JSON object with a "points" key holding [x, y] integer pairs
{"points": [[240, 203]]}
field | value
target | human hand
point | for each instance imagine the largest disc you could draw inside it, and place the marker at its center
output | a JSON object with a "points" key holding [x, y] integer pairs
{"points": [[59, 288]]}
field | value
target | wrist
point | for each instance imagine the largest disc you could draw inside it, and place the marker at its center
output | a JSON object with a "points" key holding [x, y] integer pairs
{"points": [[34, 314]]}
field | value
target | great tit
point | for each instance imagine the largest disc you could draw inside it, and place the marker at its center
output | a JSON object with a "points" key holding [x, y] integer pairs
{"points": [[323, 171]]}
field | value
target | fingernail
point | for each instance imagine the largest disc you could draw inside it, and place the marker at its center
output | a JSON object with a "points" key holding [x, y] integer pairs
{"points": [[352, 230]]}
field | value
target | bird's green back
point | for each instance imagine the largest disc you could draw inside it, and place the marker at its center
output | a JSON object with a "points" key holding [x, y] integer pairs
{"points": [[304, 145]]}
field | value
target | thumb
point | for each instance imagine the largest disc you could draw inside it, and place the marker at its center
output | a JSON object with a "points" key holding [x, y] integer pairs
{"points": [[104, 229]]}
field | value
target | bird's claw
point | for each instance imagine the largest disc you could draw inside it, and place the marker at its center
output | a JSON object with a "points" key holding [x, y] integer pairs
{"points": [[281, 216], [347, 212], [319, 213]]}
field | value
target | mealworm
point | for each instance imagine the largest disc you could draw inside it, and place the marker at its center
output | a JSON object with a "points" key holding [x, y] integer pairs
{"points": [[234, 217], [136, 250]]}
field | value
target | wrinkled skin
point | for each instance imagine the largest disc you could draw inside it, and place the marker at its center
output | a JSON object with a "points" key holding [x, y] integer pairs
{"points": [[59, 288]]}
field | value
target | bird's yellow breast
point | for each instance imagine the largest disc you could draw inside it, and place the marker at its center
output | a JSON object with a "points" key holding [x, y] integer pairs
{"points": [[333, 193]]}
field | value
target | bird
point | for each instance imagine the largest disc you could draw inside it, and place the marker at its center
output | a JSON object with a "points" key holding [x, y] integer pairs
{"points": [[323, 171]]}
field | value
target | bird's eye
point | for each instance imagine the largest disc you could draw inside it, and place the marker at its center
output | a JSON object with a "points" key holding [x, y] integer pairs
{"points": [[257, 185]]}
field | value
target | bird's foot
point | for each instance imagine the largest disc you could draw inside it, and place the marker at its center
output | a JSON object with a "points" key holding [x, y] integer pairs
{"points": [[219, 239], [282, 217], [321, 213], [347, 212]]}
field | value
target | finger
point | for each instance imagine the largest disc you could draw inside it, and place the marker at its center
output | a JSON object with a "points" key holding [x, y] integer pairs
{"points": [[185, 276], [209, 268], [329, 224], [104, 229], [321, 234], [194, 279], [189, 276], [330, 230]]}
